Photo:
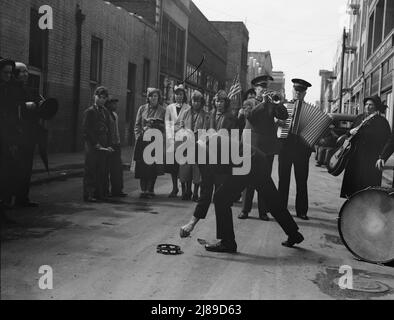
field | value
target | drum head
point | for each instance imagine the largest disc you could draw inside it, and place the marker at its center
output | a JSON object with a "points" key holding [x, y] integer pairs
{"points": [[366, 225]]}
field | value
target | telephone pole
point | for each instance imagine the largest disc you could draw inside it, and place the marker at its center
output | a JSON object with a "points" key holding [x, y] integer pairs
{"points": [[342, 67]]}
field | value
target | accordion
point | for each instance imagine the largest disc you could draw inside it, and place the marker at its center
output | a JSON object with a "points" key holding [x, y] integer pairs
{"points": [[306, 121]]}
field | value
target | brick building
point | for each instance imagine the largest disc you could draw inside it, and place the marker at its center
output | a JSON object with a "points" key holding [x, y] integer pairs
{"points": [[369, 58], [80, 53], [237, 36], [205, 40]]}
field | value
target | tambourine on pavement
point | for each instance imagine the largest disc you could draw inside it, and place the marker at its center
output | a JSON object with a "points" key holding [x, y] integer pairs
{"points": [[169, 249], [366, 225], [48, 108]]}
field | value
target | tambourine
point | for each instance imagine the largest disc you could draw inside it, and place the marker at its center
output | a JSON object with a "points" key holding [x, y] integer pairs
{"points": [[169, 249]]}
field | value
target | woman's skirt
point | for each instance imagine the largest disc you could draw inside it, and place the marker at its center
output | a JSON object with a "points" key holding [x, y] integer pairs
{"points": [[143, 170]]}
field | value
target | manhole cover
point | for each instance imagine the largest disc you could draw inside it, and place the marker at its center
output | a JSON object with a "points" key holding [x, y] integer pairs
{"points": [[366, 285]]}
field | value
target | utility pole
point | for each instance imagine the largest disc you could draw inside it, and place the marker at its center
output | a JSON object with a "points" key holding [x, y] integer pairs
{"points": [[344, 37]]}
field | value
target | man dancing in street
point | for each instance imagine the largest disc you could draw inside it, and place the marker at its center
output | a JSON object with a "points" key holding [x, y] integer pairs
{"points": [[261, 125]]}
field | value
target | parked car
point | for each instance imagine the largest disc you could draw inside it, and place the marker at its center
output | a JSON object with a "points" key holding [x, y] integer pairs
{"points": [[341, 125]]}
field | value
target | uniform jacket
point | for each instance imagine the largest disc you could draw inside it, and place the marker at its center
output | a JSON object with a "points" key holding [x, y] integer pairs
{"points": [[260, 120]]}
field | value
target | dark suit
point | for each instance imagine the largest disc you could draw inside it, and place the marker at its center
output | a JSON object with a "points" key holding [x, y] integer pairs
{"points": [[19, 128], [212, 176], [294, 152], [388, 149], [97, 134], [264, 143]]}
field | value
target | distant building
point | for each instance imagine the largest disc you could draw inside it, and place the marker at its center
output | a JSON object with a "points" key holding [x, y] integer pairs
{"points": [[327, 78], [279, 83], [171, 18], [237, 36], [259, 63]]}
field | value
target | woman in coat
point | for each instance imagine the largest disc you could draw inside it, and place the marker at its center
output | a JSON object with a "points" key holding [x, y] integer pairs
{"points": [[193, 119], [360, 172], [149, 116], [172, 113], [388, 150]]}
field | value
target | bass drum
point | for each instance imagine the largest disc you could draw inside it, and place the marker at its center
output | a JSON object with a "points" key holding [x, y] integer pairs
{"points": [[366, 225]]}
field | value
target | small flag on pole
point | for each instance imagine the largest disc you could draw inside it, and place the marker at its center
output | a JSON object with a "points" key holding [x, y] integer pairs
{"points": [[235, 89]]}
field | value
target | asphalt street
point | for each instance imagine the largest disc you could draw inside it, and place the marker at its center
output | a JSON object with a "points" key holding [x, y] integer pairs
{"points": [[108, 251]]}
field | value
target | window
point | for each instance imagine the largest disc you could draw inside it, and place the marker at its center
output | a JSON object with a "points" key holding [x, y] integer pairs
{"points": [[172, 48], [375, 82], [370, 34], [146, 75], [96, 59], [378, 30], [38, 45], [389, 24]]}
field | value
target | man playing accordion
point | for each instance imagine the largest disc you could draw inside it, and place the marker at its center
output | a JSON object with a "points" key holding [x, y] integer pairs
{"points": [[295, 152]]}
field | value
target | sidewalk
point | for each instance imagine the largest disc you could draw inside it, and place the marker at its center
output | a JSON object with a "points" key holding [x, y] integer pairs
{"points": [[66, 165]]}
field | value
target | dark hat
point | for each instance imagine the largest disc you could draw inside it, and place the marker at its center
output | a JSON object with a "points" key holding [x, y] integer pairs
{"points": [[48, 108], [378, 103], [6, 62], [301, 85], [262, 80]]}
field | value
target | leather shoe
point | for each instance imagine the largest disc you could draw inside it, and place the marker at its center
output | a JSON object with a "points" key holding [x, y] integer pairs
{"points": [[292, 240], [303, 217], [264, 217], [243, 215], [220, 247]]}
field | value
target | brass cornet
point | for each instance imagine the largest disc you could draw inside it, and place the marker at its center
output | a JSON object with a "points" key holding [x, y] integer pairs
{"points": [[272, 96]]}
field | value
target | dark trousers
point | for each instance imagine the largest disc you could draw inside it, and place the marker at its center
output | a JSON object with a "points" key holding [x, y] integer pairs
{"points": [[25, 170], [248, 194], [115, 168], [210, 181], [227, 194], [294, 153], [96, 174]]}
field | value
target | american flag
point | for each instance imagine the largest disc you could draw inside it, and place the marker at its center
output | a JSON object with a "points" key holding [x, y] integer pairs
{"points": [[235, 89]]}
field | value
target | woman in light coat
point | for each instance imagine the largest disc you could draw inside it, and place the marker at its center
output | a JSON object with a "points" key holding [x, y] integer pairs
{"points": [[172, 113]]}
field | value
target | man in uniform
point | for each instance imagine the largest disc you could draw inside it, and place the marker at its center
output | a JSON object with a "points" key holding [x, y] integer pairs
{"points": [[295, 152], [260, 84], [261, 125]]}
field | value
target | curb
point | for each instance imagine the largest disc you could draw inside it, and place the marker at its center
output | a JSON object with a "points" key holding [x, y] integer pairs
{"points": [[40, 177]]}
